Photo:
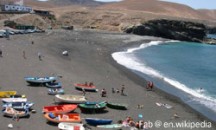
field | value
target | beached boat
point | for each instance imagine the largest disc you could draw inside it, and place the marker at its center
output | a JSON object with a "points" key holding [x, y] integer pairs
{"points": [[97, 121], [68, 98], [11, 112], [118, 106], [6, 100], [60, 108], [111, 126], [68, 117], [86, 87], [7, 94], [53, 85], [18, 105], [54, 91], [70, 126], [40, 80], [92, 106]]}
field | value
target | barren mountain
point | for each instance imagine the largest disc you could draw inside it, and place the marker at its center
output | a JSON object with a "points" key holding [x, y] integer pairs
{"points": [[114, 16]]}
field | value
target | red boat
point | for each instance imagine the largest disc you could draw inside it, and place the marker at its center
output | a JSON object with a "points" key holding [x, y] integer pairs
{"points": [[59, 108], [68, 117], [86, 87]]}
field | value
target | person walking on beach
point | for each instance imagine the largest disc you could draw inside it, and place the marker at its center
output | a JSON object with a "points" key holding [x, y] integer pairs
{"points": [[1, 53], [150, 85], [122, 90], [84, 92], [113, 90], [24, 56], [103, 93], [40, 56]]}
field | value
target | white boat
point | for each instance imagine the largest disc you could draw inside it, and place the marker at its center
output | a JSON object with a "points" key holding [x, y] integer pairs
{"points": [[6, 100], [11, 112], [70, 126], [68, 98], [111, 126]]}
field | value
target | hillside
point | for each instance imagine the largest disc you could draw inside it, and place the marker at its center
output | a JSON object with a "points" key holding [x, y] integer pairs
{"points": [[113, 16]]}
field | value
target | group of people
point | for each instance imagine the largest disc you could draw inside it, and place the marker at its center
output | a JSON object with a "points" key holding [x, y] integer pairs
{"points": [[129, 122], [117, 90]]}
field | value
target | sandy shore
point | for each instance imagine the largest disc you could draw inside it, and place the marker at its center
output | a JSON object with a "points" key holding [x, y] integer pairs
{"points": [[89, 60]]}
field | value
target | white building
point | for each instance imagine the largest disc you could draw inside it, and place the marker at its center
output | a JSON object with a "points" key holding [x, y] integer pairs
{"points": [[15, 9]]}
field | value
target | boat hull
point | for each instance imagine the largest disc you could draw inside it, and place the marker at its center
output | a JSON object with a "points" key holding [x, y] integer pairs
{"points": [[7, 94], [97, 121], [71, 98], [59, 108], [68, 117], [70, 126]]}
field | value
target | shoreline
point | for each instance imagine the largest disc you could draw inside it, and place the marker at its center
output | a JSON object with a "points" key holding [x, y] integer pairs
{"points": [[89, 60], [143, 82]]}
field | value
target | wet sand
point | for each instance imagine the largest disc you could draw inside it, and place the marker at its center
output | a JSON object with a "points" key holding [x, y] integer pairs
{"points": [[89, 60]]}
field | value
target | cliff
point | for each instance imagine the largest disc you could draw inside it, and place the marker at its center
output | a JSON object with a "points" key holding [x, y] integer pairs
{"points": [[171, 29]]}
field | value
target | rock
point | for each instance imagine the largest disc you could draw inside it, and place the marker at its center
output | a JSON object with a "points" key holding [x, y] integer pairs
{"points": [[171, 29]]}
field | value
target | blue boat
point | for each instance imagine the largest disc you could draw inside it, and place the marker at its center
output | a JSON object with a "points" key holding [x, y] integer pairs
{"points": [[54, 91], [40, 80], [18, 105], [53, 85], [98, 121]]}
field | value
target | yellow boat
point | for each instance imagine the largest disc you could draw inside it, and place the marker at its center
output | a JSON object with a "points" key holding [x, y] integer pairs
{"points": [[7, 94]]}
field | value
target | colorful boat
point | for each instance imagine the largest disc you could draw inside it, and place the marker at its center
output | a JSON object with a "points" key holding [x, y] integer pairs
{"points": [[111, 126], [86, 87], [53, 85], [92, 106], [68, 98], [70, 126], [60, 108], [118, 106], [7, 94], [19, 105], [97, 121], [11, 112], [6, 100], [40, 80], [68, 117], [54, 91]]}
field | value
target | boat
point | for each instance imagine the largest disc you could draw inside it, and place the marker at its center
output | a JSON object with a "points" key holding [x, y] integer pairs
{"points": [[40, 80], [118, 106], [60, 108], [18, 105], [7, 94], [54, 91], [111, 126], [68, 98], [98, 121], [6, 100], [67, 117], [53, 85], [70, 126], [92, 106], [11, 112], [86, 87]]}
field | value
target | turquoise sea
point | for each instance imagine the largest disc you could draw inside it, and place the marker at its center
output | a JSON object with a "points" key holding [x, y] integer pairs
{"points": [[184, 69]]}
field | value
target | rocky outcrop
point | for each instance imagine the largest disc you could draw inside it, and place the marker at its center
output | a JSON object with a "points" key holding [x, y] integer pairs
{"points": [[171, 29], [211, 30]]}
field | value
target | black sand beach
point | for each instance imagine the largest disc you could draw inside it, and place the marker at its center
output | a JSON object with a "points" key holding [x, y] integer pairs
{"points": [[89, 60]]}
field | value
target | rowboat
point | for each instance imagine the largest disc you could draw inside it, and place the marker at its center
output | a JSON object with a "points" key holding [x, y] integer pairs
{"points": [[54, 91], [118, 106], [19, 105], [67, 98], [92, 106], [70, 126], [68, 117], [6, 100], [86, 87], [40, 80], [53, 85], [6, 94], [111, 126], [59, 108], [11, 112], [97, 121]]}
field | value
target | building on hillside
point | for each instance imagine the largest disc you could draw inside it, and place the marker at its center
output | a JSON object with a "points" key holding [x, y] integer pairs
{"points": [[42, 12], [15, 9]]}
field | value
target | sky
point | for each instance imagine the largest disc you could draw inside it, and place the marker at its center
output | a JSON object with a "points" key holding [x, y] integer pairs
{"points": [[196, 4]]}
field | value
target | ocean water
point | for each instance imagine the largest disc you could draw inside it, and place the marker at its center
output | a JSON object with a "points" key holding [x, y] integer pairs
{"points": [[184, 69]]}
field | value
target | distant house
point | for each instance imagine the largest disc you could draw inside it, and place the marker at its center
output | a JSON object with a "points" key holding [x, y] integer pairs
{"points": [[15, 9], [42, 12]]}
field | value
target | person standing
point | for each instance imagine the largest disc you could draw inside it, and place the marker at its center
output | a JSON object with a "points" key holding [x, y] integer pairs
{"points": [[40, 56], [0, 53], [24, 56], [122, 90]]}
